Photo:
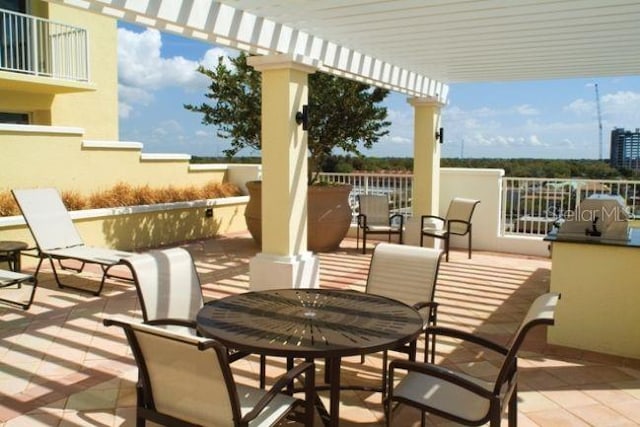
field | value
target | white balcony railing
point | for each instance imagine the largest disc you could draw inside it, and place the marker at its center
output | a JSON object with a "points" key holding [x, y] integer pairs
{"points": [[533, 205], [399, 188], [40, 47], [529, 206]]}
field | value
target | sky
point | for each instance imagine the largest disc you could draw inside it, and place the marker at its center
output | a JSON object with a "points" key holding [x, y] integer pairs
{"points": [[553, 119]]}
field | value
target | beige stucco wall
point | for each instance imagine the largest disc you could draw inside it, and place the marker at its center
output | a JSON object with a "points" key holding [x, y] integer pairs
{"points": [[600, 293], [143, 227], [95, 111], [35, 156]]}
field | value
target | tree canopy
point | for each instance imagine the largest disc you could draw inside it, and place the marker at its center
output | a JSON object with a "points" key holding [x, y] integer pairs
{"points": [[343, 114]]}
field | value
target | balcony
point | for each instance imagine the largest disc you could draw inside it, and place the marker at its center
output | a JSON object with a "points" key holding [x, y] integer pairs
{"points": [[42, 52]]}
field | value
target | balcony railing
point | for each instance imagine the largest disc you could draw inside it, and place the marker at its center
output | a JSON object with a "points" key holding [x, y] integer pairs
{"points": [[534, 205], [397, 186], [529, 206], [40, 47]]}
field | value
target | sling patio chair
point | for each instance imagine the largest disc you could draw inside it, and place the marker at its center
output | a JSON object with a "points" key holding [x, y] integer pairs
{"points": [[456, 222], [185, 380], [407, 274], [12, 282], [57, 237], [170, 293], [374, 217], [458, 396]]}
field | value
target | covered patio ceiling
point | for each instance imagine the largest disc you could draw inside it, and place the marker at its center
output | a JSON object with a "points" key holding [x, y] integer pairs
{"points": [[412, 46]]}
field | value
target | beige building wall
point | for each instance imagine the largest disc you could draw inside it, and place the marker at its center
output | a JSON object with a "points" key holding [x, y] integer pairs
{"points": [[39, 156], [95, 111]]}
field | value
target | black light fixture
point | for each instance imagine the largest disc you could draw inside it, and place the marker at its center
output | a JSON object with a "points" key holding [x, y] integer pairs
{"points": [[440, 135], [302, 117]]}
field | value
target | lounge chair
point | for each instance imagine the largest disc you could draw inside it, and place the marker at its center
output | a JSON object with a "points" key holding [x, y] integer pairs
{"points": [[456, 222], [374, 217], [458, 396], [187, 381], [407, 274], [10, 279], [57, 237]]}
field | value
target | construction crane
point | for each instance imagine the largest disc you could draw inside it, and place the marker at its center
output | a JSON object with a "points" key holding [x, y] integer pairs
{"points": [[599, 118]]}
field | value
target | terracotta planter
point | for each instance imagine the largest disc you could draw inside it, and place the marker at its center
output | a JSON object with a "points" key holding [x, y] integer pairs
{"points": [[328, 209]]}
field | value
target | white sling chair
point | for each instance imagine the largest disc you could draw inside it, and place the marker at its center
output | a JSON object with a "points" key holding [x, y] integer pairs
{"points": [[407, 274], [458, 396], [57, 237], [185, 380], [170, 293]]}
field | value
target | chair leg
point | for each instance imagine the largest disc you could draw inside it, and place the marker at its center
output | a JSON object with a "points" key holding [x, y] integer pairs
{"points": [[513, 407], [364, 241], [385, 370], [446, 248], [469, 241], [263, 371]]}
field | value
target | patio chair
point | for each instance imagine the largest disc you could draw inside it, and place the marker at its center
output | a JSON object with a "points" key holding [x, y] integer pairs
{"points": [[10, 279], [57, 237], [374, 217], [458, 396], [407, 274], [170, 292], [456, 222], [187, 381]]}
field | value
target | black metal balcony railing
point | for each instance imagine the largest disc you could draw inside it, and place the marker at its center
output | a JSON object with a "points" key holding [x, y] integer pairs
{"points": [[40, 47]]}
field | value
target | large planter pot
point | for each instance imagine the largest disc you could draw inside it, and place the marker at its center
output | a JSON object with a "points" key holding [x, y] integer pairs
{"points": [[329, 215]]}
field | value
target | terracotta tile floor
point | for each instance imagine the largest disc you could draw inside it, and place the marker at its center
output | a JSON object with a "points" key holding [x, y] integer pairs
{"points": [[61, 367]]}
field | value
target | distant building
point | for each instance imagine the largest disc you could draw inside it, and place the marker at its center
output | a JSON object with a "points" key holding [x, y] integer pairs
{"points": [[625, 148]]}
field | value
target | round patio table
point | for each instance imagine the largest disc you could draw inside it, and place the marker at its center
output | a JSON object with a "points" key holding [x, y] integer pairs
{"points": [[310, 324]]}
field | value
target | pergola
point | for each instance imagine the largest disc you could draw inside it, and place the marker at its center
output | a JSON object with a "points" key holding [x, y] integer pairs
{"points": [[414, 47]]}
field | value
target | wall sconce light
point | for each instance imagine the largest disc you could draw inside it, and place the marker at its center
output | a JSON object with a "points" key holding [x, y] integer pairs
{"points": [[440, 135], [302, 117]]}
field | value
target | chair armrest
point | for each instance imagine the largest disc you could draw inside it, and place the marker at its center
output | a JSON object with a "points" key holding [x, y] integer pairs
{"points": [[424, 217], [176, 322], [433, 311], [362, 220], [466, 336], [437, 372], [457, 221], [280, 384], [398, 215]]}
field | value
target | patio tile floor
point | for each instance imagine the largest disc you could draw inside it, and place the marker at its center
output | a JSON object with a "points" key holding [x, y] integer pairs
{"points": [[62, 367]]}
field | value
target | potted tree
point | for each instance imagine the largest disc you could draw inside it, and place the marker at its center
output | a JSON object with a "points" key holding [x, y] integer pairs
{"points": [[345, 115]]}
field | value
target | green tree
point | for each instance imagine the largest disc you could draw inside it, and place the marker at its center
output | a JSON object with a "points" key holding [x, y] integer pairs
{"points": [[343, 114]]}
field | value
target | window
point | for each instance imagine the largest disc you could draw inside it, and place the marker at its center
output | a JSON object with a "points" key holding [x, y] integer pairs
{"points": [[14, 5], [14, 118]]}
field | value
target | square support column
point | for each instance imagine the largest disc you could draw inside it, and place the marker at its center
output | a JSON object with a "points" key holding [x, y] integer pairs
{"points": [[284, 261], [426, 164]]}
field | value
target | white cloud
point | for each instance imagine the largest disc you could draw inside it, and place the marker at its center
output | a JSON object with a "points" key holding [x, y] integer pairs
{"points": [[621, 109], [526, 110], [581, 107], [142, 70], [141, 65]]}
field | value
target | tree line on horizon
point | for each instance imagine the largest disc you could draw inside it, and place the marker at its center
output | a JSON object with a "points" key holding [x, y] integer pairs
{"points": [[534, 168]]}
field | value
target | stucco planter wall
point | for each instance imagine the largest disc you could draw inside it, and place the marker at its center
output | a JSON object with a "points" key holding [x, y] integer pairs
{"points": [[147, 226]]}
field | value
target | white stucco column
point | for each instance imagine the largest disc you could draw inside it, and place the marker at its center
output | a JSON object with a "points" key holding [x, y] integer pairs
{"points": [[284, 261], [426, 164]]}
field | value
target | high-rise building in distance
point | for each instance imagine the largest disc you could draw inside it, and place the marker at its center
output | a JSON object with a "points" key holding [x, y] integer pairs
{"points": [[625, 148]]}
